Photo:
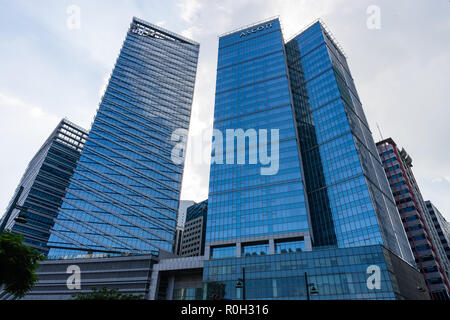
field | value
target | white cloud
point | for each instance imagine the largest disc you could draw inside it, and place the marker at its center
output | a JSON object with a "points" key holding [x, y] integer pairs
{"points": [[161, 23], [189, 9], [18, 108], [400, 71], [23, 129]]}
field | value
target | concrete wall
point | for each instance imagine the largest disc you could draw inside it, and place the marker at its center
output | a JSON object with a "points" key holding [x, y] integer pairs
{"points": [[129, 275]]}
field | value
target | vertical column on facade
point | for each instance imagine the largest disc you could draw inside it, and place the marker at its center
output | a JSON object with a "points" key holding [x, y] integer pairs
{"points": [[271, 246], [154, 284], [308, 244], [207, 252], [170, 286]]}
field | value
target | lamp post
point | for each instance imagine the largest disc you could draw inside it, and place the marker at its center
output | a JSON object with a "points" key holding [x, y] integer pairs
{"points": [[308, 285], [241, 283]]}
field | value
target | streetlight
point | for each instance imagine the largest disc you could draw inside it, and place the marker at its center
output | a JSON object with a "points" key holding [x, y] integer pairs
{"points": [[241, 284], [313, 289]]}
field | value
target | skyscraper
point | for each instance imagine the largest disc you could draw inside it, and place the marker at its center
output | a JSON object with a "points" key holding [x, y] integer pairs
{"points": [[441, 225], [424, 239], [125, 192], [330, 198], [305, 90], [349, 196], [253, 93], [44, 185], [193, 243]]}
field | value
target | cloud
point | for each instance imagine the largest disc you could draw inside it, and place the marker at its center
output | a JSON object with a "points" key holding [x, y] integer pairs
{"points": [[189, 9], [400, 70], [24, 127], [161, 23], [19, 109]]}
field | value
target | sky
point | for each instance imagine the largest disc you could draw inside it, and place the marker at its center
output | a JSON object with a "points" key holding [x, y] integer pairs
{"points": [[51, 68]]}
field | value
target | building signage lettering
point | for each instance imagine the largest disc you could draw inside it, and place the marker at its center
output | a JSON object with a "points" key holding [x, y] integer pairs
{"points": [[256, 29]]}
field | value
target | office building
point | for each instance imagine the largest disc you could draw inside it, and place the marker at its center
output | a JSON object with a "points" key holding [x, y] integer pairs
{"points": [[184, 205], [181, 220], [193, 243], [126, 274], [125, 192], [329, 197], [43, 186], [441, 225], [178, 239], [425, 243]]}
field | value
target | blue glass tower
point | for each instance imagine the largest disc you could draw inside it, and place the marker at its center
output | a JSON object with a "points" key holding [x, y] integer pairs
{"points": [[124, 195], [253, 93], [44, 185], [328, 212], [348, 192]]}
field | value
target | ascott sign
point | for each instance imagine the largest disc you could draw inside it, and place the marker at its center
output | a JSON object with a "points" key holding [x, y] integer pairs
{"points": [[256, 29]]}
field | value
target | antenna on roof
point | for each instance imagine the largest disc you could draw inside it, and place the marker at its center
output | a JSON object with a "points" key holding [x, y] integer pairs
{"points": [[379, 130]]}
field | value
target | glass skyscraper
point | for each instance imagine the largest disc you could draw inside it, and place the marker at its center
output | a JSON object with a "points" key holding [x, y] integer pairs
{"points": [[253, 92], [349, 196], [330, 197], [44, 185], [124, 195], [331, 186]]}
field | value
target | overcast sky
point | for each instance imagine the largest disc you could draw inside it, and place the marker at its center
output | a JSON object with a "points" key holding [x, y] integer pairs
{"points": [[49, 71]]}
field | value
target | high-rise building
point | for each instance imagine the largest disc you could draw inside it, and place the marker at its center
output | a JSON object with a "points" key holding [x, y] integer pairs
{"points": [[184, 205], [181, 220], [43, 186], [424, 240], [441, 225], [193, 243], [328, 199], [125, 192]]}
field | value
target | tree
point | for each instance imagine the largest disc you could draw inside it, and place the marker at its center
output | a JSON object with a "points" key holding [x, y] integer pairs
{"points": [[106, 294], [18, 264]]}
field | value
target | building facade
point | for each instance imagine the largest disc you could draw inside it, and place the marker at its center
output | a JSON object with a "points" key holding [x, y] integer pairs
{"points": [[44, 185], [124, 194], [441, 225], [424, 240], [63, 279], [336, 274], [184, 205], [193, 243], [330, 193], [350, 202], [178, 238], [252, 93]]}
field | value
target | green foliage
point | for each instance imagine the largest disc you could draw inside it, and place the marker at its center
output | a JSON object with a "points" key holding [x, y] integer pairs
{"points": [[106, 294], [18, 263]]}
